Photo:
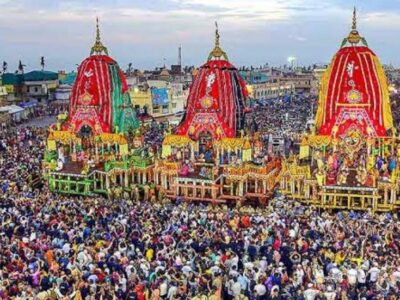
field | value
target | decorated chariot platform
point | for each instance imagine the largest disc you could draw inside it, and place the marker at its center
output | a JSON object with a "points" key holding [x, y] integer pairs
{"points": [[350, 159], [98, 148]]}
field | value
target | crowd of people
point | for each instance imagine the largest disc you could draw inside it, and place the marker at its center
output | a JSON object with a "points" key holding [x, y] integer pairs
{"points": [[61, 247], [285, 118]]}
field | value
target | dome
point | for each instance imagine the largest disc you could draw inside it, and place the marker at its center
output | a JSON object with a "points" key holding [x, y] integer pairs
{"points": [[354, 92], [164, 72], [216, 99], [99, 96]]}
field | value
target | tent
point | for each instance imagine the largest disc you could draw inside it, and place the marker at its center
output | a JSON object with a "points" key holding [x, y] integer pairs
{"points": [[29, 104], [16, 112]]}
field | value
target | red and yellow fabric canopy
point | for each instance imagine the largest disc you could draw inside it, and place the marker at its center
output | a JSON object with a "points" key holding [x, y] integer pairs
{"points": [[216, 100], [354, 92]]}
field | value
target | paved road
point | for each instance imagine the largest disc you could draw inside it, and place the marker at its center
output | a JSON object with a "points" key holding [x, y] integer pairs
{"points": [[39, 122]]}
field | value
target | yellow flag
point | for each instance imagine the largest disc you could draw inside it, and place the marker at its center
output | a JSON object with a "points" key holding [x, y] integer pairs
{"points": [[51, 145], [304, 151], [166, 151], [123, 149], [246, 155]]}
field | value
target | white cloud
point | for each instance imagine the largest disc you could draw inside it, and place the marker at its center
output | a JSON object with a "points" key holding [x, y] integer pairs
{"points": [[382, 19], [252, 31]]}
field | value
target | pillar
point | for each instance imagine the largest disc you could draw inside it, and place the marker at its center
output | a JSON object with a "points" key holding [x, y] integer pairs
{"points": [[107, 181], [126, 179], [96, 151], [191, 151], [392, 195], [264, 187], [144, 177]]}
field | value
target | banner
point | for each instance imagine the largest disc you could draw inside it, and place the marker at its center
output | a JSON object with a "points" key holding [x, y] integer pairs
{"points": [[159, 96]]}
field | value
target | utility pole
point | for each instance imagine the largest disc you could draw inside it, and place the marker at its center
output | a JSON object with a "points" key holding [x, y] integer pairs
{"points": [[180, 63]]}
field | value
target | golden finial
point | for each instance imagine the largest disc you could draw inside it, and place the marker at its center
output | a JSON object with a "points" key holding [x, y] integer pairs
{"points": [[216, 35], [354, 26], [217, 52], [98, 47], [354, 37]]}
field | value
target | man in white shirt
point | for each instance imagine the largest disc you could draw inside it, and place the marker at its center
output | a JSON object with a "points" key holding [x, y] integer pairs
{"points": [[299, 275], [310, 293], [396, 274], [352, 275], [235, 288], [337, 275], [374, 272], [361, 277], [172, 291], [163, 289], [330, 294], [263, 264], [260, 289]]}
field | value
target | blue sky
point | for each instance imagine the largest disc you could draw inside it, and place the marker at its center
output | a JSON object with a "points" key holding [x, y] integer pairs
{"points": [[145, 32]]}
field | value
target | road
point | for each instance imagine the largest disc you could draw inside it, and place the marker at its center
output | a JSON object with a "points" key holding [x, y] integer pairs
{"points": [[39, 122]]}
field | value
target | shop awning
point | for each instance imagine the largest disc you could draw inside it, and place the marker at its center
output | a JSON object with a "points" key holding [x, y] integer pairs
{"points": [[11, 109]]}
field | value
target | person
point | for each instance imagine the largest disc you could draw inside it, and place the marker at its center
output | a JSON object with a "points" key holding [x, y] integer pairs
{"points": [[204, 172], [184, 170], [361, 176], [260, 290], [61, 154], [60, 165], [330, 294], [98, 248], [310, 293], [91, 162], [343, 174], [208, 156]]}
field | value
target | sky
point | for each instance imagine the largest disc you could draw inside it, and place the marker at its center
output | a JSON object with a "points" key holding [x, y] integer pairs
{"points": [[149, 32]]}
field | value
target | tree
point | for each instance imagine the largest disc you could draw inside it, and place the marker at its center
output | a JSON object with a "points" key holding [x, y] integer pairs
{"points": [[21, 67], [42, 63], [129, 70], [5, 66]]}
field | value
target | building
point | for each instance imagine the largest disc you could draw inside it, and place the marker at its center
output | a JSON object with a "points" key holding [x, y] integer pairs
{"points": [[318, 72], [158, 98], [254, 77], [392, 73], [266, 84], [14, 86], [272, 89], [38, 85], [3, 95], [63, 93], [271, 83], [302, 82]]}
